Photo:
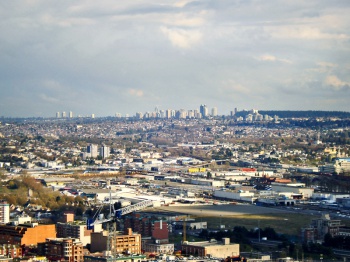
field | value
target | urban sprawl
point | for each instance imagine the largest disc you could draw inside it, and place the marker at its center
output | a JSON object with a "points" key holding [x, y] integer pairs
{"points": [[173, 185]]}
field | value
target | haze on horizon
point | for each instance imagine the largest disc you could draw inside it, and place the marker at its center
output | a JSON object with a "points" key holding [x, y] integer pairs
{"points": [[108, 56]]}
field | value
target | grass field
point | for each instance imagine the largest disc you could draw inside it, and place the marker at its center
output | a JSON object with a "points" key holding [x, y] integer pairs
{"points": [[249, 216]]}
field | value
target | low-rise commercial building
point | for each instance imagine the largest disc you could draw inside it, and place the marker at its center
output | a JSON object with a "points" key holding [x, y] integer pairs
{"points": [[211, 248]]}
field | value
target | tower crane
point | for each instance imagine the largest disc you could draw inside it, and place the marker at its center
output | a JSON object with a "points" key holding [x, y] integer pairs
{"points": [[111, 220]]}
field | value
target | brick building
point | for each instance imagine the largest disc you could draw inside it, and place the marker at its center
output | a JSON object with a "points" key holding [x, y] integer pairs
{"points": [[159, 242], [62, 249], [318, 228], [28, 234], [127, 244], [139, 224]]}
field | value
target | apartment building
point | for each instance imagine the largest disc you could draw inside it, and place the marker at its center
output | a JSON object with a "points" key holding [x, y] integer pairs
{"points": [[62, 249], [125, 244], [28, 234], [4, 213]]}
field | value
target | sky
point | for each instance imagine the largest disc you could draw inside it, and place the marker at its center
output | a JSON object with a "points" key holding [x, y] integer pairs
{"points": [[103, 57]]}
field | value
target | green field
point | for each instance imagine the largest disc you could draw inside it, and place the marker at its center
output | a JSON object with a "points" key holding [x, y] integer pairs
{"points": [[249, 216]]}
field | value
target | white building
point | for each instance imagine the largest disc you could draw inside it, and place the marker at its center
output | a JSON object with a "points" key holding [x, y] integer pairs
{"points": [[4, 213], [104, 151], [92, 150]]}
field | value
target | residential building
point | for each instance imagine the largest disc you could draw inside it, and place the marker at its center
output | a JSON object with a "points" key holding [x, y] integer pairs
{"points": [[214, 111], [203, 109], [76, 229], [127, 244], [62, 249], [104, 151], [92, 149], [318, 228], [28, 234], [4, 213]]}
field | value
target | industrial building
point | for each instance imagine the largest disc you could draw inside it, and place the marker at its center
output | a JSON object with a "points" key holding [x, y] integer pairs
{"points": [[212, 248]]}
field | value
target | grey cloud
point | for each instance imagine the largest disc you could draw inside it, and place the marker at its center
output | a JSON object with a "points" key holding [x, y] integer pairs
{"points": [[128, 56]]}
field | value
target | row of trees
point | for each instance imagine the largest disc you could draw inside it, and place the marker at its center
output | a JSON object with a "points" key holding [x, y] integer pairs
{"points": [[20, 192]]}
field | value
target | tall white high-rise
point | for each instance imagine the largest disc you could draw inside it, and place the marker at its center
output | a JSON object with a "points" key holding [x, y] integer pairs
{"points": [[70, 114], [92, 150], [64, 115], [58, 115], [214, 111], [104, 151]]}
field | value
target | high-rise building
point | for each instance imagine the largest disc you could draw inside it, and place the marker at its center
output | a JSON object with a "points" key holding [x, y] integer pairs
{"points": [[4, 213], [92, 150], [70, 114], [104, 151], [58, 115], [162, 114], [203, 110], [214, 111], [64, 115], [92, 115], [139, 115]]}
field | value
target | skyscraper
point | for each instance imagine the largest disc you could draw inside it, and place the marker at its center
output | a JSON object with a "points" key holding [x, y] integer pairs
{"points": [[70, 114], [214, 111], [203, 110], [92, 149], [64, 115], [104, 151]]}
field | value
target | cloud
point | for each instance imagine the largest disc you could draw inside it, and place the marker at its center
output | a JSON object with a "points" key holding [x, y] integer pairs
{"points": [[272, 58], [52, 84], [337, 84], [305, 32], [182, 38], [49, 99], [135, 92]]}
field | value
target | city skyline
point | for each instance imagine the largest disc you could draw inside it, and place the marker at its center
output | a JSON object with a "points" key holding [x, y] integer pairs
{"points": [[102, 58]]}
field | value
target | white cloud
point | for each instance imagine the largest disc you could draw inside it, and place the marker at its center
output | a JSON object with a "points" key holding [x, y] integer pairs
{"points": [[182, 38], [337, 84], [135, 92], [49, 99], [272, 58]]}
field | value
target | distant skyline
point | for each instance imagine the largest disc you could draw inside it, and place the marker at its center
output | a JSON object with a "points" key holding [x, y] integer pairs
{"points": [[93, 57]]}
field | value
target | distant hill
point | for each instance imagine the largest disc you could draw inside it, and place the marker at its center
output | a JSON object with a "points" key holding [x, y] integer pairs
{"points": [[300, 114]]}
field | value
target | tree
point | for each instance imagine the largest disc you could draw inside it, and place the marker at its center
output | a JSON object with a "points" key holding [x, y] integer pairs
{"points": [[209, 175]]}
